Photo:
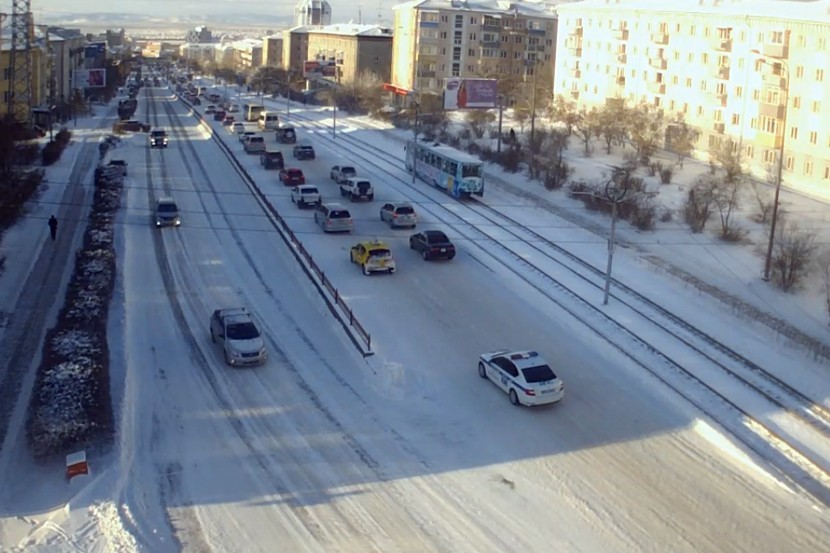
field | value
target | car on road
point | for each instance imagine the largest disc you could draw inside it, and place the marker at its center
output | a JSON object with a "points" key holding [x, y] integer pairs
{"points": [[291, 176], [237, 128], [167, 213], [228, 120], [373, 257], [242, 343], [432, 244], [286, 134], [134, 126], [304, 150], [339, 173], [399, 214], [244, 135], [333, 217], [356, 188], [158, 139], [523, 375], [210, 109], [271, 159], [305, 194], [219, 115], [233, 108]]}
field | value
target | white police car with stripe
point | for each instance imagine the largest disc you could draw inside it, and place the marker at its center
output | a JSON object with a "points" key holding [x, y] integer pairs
{"points": [[523, 375]]}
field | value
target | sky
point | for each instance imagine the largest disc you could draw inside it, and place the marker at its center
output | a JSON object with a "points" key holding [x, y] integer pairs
{"points": [[342, 11], [407, 450]]}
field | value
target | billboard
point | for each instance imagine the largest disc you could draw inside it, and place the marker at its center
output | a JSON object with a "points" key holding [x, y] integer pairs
{"points": [[90, 78], [95, 55], [471, 93], [318, 69]]}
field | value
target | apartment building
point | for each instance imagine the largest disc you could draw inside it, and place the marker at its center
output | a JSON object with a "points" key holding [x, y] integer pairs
{"points": [[354, 49], [272, 51], [295, 48], [247, 54], [437, 39], [41, 75], [739, 70]]}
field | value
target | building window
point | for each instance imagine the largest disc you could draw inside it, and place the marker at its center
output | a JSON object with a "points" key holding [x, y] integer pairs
{"points": [[799, 71], [802, 42], [519, 40], [769, 156], [459, 21], [688, 82], [819, 75], [816, 106], [739, 91], [675, 79], [700, 111], [808, 166], [473, 21], [472, 36], [456, 70], [736, 119], [691, 57], [796, 102], [794, 133], [753, 123], [444, 35], [789, 164], [827, 172], [471, 52], [777, 37], [822, 43], [685, 109], [444, 19], [750, 151], [671, 105], [704, 58]]}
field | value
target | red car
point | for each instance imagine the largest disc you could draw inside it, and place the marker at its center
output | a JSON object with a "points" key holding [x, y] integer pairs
{"points": [[292, 176]]}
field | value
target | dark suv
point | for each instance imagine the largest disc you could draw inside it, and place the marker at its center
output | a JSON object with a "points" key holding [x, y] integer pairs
{"points": [[271, 160], [303, 151], [158, 139]]}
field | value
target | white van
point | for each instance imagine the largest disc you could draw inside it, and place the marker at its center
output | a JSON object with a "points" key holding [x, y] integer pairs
{"points": [[268, 121]]}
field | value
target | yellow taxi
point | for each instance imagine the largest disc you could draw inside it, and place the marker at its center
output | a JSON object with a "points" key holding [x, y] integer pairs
{"points": [[373, 257]]}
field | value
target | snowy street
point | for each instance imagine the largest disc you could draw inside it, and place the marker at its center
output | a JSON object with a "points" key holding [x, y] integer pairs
{"points": [[407, 450]]}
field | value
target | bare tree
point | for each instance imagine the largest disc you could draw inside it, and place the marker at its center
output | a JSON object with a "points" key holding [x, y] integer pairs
{"points": [[727, 198], [823, 262], [681, 139], [793, 252], [611, 123], [565, 112], [585, 128], [727, 156], [764, 201], [646, 129], [479, 120], [698, 207]]}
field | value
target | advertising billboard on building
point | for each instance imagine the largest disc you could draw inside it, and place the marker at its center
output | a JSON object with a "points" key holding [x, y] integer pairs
{"points": [[471, 93], [95, 55], [318, 69], [90, 78]]}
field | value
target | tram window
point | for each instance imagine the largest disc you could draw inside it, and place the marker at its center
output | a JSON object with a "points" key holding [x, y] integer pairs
{"points": [[453, 168]]}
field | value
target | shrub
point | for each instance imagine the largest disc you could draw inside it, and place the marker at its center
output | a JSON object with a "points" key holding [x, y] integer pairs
{"points": [[26, 153], [666, 215], [510, 159], [654, 167], [666, 174], [557, 174], [51, 153], [642, 213], [63, 137]]}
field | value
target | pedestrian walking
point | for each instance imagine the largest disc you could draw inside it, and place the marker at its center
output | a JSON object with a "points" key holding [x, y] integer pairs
{"points": [[53, 227]]}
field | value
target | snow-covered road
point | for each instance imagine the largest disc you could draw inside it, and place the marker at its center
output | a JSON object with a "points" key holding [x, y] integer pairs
{"points": [[322, 450]]}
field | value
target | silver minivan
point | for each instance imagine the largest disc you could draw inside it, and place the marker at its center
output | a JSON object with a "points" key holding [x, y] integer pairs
{"points": [[333, 217], [254, 144]]}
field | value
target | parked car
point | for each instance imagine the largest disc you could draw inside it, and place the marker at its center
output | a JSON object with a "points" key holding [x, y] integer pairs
{"points": [[271, 160], [333, 217], [523, 375], [399, 214], [305, 194], [304, 150], [291, 176], [432, 244]]}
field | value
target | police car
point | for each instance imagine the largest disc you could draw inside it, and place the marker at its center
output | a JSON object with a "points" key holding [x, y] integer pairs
{"points": [[523, 375]]}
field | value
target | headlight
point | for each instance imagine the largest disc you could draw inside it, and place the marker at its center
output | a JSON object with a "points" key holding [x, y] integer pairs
{"points": [[262, 352]]}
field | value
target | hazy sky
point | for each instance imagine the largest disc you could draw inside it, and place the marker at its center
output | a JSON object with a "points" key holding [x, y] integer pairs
{"points": [[342, 10]]}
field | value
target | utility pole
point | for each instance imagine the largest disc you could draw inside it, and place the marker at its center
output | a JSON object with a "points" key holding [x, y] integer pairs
{"points": [[615, 193], [501, 113], [533, 104]]}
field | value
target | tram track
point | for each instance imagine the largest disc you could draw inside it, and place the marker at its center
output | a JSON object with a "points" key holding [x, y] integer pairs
{"points": [[804, 416]]}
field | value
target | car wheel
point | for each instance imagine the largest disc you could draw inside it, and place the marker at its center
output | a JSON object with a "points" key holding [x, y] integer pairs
{"points": [[342, 192], [371, 197], [411, 244], [482, 370], [212, 337], [391, 271], [514, 398], [365, 270], [424, 255], [227, 358]]}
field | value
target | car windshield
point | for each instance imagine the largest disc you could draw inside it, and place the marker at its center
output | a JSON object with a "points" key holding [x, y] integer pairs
{"points": [[158, 134], [379, 253], [242, 331], [539, 373], [468, 170], [167, 207]]}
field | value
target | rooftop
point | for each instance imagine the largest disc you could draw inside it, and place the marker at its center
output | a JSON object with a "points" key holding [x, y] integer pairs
{"points": [[532, 8], [809, 10]]}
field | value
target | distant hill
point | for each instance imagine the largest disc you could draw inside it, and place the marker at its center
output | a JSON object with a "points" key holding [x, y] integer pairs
{"points": [[134, 23]]}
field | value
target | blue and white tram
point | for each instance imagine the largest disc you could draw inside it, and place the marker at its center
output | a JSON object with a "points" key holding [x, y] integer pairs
{"points": [[455, 172]]}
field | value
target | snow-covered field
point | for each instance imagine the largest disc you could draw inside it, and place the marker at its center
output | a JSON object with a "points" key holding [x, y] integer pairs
{"points": [[406, 450]]}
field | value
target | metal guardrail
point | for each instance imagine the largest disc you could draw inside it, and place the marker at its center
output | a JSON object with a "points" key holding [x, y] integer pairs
{"points": [[358, 334]]}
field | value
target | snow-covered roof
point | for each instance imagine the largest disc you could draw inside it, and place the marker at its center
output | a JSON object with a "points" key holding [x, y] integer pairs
{"points": [[816, 10], [532, 8], [354, 29]]}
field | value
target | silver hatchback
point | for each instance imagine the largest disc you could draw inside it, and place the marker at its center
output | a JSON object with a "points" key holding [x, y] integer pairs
{"points": [[333, 217], [399, 214]]}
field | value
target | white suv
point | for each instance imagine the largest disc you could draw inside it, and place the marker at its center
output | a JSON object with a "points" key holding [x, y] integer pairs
{"points": [[305, 194]]}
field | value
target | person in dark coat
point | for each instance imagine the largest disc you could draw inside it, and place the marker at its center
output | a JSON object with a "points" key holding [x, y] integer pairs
{"points": [[53, 227], [512, 136]]}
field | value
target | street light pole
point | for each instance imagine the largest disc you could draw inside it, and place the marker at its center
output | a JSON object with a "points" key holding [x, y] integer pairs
{"points": [[786, 92], [415, 129], [334, 121], [501, 113], [615, 194]]}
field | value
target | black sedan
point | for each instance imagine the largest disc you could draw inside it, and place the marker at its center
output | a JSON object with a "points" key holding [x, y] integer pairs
{"points": [[432, 244]]}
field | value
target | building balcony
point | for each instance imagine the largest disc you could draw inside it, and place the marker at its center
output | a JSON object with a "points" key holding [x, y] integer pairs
{"points": [[574, 94], [573, 42], [657, 88], [660, 38], [426, 74], [721, 98], [719, 127], [622, 58], [620, 34], [722, 44], [488, 28], [721, 72], [494, 44], [775, 81], [576, 73], [619, 80], [576, 32], [657, 63], [775, 111], [769, 140], [575, 51], [775, 50]]}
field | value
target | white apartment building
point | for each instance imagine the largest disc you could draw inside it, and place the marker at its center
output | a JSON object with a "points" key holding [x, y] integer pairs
{"points": [[437, 39], [735, 69]]}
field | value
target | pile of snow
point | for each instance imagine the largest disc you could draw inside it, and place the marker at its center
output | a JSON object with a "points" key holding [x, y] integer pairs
{"points": [[71, 406]]}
